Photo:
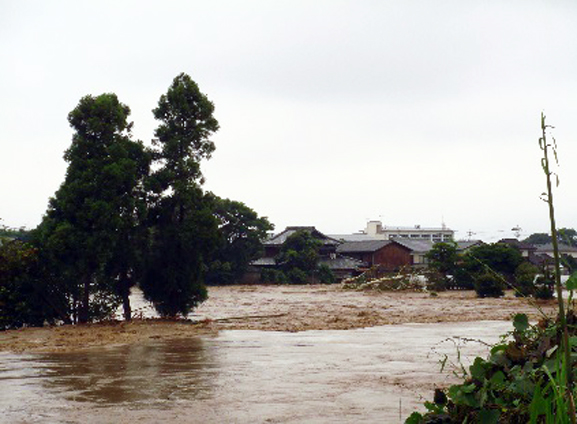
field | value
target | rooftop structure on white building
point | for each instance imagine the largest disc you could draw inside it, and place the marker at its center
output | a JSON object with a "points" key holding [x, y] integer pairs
{"points": [[376, 230]]}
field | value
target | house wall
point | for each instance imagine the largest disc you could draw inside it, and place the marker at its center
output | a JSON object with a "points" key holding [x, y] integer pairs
{"points": [[390, 257]]}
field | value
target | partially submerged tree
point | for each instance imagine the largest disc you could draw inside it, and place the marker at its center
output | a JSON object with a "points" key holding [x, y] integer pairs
{"points": [[497, 258], [90, 222], [184, 231], [27, 295], [298, 260], [443, 262]]}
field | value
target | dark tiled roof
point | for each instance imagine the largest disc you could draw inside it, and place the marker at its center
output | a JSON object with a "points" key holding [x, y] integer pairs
{"points": [[415, 245], [467, 244], [289, 231], [563, 248], [353, 237], [362, 246], [518, 244], [540, 259]]}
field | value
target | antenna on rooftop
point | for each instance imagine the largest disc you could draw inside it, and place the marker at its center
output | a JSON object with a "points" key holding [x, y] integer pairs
{"points": [[517, 230], [470, 234]]}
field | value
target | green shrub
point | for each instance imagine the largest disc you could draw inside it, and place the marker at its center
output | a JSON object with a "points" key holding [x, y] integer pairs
{"points": [[462, 280], [524, 279], [437, 281], [297, 276], [273, 276], [488, 285], [518, 383], [325, 275], [544, 287]]}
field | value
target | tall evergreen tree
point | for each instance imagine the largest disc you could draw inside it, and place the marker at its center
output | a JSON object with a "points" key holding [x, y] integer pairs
{"points": [[94, 212], [184, 229]]}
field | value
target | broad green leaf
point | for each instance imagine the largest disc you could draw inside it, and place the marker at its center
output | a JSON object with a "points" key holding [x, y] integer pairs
{"points": [[478, 369], [521, 322], [489, 416], [498, 378], [414, 418], [572, 282]]}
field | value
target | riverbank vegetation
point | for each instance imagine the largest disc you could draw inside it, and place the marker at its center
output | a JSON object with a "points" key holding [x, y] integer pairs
{"points": [[530, 376]]}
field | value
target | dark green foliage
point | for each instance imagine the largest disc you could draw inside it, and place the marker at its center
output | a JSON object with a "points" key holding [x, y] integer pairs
{"points": [[488, 285], [513, 385], [301, 251], [27, 297], [176, 262], [443, 257], [241, 233], [463, 279], [184, 230], [274, 276], [14, 233], [437, 281], [91, 219], [186, 123], [297, 276], [569, 262], [498, 257], [564, 235], [544, 287], [525, 279], [325, 275], [538, 238], [442, 263], [299, 260], [567, 236]]}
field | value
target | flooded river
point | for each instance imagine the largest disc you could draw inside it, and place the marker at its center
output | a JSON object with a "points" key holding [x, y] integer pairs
{"points": [[372, 375]]}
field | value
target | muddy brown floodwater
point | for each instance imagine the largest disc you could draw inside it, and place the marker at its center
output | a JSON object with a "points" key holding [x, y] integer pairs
{"points": [[365, 358]]}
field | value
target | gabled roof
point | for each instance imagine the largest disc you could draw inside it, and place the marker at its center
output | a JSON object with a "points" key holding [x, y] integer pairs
{"points": [[542, 248], [362, 246], [463, 245], [289, 231], [540, 259], [353, 237], [518, 244], [418, 246]]}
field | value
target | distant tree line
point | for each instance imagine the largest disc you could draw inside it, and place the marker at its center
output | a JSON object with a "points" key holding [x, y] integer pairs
{"points": [[489, 269], [567, 236], [127, 215]]}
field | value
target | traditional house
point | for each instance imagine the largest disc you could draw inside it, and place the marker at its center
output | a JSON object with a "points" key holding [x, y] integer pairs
{"points": [[564, 249], [371, 252], [342, 266], [418, 250], [464, 245], [388, 255], [526, 249], [273, 245]]}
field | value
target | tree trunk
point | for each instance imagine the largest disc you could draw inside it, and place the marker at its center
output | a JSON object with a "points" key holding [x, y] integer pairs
{"points": [[83, 310], [125, 293]]}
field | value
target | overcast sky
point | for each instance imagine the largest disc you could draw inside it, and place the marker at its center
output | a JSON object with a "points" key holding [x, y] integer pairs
{"points": [[331, 112]]}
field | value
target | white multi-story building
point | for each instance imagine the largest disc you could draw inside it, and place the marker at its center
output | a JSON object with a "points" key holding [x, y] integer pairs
{"points": [[375, 229]]}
